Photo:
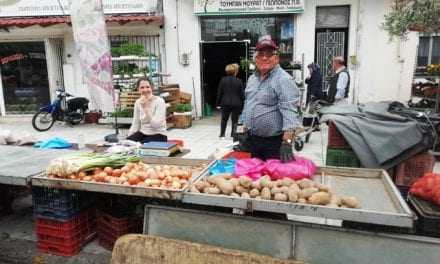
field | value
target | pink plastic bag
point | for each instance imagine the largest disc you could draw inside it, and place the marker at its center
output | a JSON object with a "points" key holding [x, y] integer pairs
{"points": [[250, 167], [298, 169]]}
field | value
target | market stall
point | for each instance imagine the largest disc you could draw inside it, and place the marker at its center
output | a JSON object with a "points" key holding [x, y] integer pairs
{"points": [[213, 215]]}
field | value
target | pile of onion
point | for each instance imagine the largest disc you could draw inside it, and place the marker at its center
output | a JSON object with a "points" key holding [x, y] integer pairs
{"points": [[138, 174]]}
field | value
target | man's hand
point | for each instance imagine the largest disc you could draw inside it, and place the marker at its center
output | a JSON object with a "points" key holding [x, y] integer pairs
{"points": [[286, 152], [288, 135]]}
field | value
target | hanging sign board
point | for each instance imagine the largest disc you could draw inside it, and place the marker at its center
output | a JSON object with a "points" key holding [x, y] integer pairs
{"points": [[246, 7], [91, 42], [21, 8]]}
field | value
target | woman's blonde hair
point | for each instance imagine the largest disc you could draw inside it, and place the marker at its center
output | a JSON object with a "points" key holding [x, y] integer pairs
{"points": [[232, 69]]}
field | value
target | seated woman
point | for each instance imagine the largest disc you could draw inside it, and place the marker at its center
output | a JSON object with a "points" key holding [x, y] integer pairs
{"points": [[149, 116]]}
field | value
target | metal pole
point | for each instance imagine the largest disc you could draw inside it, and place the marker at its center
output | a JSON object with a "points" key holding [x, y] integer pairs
{"points": [[437, 96], [195, 101]]}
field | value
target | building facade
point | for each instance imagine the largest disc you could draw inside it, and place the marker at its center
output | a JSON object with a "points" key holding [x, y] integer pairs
{"points": [[192, 41], [306, 31], [38, 54]]}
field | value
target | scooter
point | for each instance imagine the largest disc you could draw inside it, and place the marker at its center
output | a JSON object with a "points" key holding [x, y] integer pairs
{"points": [[71, 111]]}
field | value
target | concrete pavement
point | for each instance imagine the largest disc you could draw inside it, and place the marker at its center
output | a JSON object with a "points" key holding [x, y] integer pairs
{"points": [[201, 138]]}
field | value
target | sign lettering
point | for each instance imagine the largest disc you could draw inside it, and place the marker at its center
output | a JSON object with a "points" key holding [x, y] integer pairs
{"points": [[242, 7]]}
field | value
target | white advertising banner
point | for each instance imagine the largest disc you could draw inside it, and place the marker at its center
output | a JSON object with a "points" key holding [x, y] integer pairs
{"points": [[91, 42], [21, 8], [244, 7]]}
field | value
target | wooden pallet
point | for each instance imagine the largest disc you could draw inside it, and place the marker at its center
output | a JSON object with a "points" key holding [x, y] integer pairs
{"points": [[185, 98], [171, 85]]}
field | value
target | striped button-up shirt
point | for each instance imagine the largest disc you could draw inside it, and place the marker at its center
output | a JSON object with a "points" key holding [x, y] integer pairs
{"points": [[271, 104]]}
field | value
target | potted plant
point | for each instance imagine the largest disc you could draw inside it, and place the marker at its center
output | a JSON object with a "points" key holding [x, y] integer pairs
{"points": [[412, 15], [182, 115]]}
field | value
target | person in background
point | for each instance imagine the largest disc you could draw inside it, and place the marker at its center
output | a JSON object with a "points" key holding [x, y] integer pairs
{"points": [[149, 116], [314, 83], [230, 98], [270, 111], [314, 91], [339, 83]]}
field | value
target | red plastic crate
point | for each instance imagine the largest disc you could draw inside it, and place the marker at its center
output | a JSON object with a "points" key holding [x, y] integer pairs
{"points": [[65, 238], [105, 242], [60, 228], [407, 172], [77, 238], [58, 249], [335, 138], [237, 155], [107, 238], [118, 224], [63, 249], [110, 228]]}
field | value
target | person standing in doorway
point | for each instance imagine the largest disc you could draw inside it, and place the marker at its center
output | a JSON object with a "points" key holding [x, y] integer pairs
{"points": [[339, 83], [149, 115], [270, 111], [230, 98], [314, 83]]}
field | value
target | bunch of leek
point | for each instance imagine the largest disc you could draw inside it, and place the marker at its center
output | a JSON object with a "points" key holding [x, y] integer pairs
{"points": [[71, 164]]}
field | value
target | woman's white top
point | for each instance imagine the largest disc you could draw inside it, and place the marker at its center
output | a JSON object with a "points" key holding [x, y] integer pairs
{"points": [[153, 122]]}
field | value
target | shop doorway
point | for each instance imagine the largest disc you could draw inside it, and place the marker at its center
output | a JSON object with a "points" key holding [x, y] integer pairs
{"points": [[24, 76], [214, 58], [330, 43], [331, 38]]}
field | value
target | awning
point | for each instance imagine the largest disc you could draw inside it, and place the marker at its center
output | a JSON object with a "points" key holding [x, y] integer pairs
{"points": [[53, 20]]}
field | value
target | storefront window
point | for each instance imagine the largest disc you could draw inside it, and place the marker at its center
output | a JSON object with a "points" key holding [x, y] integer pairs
{"points": [[281, 29], [24, 76]]}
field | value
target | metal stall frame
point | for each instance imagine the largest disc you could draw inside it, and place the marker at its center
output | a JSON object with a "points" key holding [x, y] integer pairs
{"points": [[286, 239]]}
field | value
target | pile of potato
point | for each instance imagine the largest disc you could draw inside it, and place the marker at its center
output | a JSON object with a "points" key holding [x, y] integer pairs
{"points": [[286, 190]]}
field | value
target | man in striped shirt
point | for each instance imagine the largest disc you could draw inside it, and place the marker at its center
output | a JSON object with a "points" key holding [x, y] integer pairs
{"points": [[270, 111]]}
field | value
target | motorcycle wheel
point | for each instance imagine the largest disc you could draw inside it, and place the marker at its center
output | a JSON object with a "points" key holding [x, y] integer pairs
{"points": [[83, 117], [42, 121]]}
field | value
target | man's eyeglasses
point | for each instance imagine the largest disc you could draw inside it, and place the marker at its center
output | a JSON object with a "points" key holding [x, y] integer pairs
{"points": [[267, 54]]}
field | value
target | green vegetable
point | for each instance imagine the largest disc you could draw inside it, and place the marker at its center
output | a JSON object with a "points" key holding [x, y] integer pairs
{"points": [[181, 108], [70, 164]]}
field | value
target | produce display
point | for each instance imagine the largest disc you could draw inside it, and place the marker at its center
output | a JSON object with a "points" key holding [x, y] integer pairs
{"points": [[285, 190], [119, 169], [427, 188]]}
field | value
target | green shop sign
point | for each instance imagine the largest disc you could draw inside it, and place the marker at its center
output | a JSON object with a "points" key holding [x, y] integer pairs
{"points": [[246, 7]]}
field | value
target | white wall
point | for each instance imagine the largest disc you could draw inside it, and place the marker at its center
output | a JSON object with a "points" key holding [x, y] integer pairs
{"points": [[385, 67], [182, 35]]}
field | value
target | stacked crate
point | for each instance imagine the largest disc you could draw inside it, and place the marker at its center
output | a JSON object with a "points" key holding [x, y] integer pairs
{"points": [[64, 220], [127, 99], [116, 217], [428, 214], [339, 152], [185, 98], [111, 227], [408, 171], [172, 100]]}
